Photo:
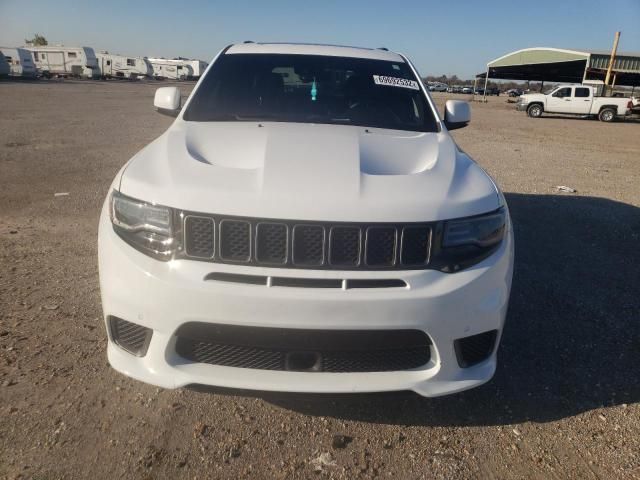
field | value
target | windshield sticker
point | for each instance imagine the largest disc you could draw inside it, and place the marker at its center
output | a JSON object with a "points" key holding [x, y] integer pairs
{"points": [[395, 82]]}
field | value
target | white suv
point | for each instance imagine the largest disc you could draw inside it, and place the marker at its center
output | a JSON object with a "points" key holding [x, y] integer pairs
{"points": [[306, 224]]}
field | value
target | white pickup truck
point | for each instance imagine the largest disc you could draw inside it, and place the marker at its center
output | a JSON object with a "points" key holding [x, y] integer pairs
{"points": [[574, 100]]}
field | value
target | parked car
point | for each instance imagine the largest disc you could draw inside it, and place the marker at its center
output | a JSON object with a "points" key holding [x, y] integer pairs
{"points": [[323, 236], [438, 87], [467, 90], [514, 92], [493, 91], [575, 100]]}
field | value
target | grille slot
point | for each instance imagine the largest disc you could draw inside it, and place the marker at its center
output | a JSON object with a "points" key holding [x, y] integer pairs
{"points": [[131, 337], [308, 245], [271, 243], [235, 240], [416, 243], [199, 243], [344, 246], [306, 282], [337, 351], [380, 246]]}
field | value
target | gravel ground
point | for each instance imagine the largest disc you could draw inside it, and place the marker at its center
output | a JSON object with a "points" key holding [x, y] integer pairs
{"points": [[563, 403]]}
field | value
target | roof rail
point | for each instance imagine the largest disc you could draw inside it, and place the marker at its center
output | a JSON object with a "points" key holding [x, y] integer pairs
{"points": [[248, 41], [383, 48]]}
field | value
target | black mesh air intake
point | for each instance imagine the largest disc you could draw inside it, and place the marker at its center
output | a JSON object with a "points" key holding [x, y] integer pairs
{"points": [[476, 348], [130, 336], [336, 351]]}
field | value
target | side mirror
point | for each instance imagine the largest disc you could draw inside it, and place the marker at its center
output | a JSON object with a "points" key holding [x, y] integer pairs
{"points": [[457, 114], [167, 101]]}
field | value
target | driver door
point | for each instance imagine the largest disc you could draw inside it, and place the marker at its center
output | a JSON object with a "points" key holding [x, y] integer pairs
{"points": [[559, 101]]}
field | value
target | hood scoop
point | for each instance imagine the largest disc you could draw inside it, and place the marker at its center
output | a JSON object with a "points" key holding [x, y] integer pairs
{"points": [[404, 153], [252, 146], [227, 145]]}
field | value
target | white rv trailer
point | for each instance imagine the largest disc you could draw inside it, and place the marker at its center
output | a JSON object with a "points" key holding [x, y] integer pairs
{"points": [[65, 61], [198, 66], [4, 66], [170, 69], [113, 65], [20, 62]]}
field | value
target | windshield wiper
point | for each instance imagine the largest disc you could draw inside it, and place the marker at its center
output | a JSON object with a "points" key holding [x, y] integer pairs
{"points": [[256, 117], [325, 119]]}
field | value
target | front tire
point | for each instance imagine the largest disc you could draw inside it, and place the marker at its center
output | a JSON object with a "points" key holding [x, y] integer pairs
{"points": [[534, 111], [607, 115]]}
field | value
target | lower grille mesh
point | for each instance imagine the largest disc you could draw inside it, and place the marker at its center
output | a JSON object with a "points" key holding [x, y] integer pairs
{"points": [[278, 349]]}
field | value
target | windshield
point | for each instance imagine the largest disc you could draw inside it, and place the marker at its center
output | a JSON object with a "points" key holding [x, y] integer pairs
{"points": [[312, 89]]}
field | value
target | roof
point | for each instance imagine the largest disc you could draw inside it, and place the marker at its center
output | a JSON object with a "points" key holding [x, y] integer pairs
{"points": [[536, 55], [564, 65], [312, 49]]}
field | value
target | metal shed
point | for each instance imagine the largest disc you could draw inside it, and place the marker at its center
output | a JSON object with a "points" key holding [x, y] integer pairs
{"points": [[562, 65]]}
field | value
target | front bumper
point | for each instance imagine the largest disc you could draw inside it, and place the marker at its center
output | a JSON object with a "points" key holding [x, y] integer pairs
{"points": [[521, 107], [164, 296]]}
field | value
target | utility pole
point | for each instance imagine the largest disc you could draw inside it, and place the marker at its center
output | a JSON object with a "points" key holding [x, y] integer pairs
{"points": [[612, 59]]}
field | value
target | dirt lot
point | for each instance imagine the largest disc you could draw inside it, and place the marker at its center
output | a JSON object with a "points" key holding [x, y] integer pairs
{"points": [[563, 404]]}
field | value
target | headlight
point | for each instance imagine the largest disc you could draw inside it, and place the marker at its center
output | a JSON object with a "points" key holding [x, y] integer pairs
{"points": [[146, 227], [467, 241]]}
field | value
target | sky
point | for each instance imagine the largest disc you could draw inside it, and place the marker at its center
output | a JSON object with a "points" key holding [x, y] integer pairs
{"points": [[440, 37]]}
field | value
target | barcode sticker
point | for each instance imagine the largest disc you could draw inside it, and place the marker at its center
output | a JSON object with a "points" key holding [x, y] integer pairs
{"points": [[395, 82]]}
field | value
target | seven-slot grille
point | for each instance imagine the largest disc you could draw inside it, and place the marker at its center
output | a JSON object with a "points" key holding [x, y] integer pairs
{"points": [[316, 245]]}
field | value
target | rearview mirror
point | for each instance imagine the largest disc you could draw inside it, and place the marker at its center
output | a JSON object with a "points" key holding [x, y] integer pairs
{"points": [[167, 101], [457, 114]]}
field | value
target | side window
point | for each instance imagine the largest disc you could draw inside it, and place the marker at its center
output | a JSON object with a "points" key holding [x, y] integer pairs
{"points": [[108, 62], [71, 54], [582, 92], [563, 92], [131, 62], [44, 56], [35, 56]]}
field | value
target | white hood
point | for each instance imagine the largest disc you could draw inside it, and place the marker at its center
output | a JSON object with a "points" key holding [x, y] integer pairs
{"points": [[309, 172]]}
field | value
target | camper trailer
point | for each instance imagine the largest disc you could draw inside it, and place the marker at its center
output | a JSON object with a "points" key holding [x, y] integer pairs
{"points": [[65, 61], [4, 66], [20, 62], [119, 66], [170, 69], [197, 66]]}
